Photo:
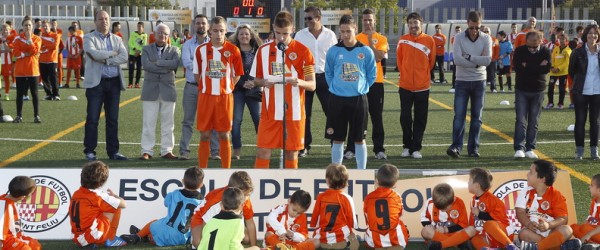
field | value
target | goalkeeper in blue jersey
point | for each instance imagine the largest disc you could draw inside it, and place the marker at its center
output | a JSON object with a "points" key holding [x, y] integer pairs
{"points": [[174, 229], [350, 70]]}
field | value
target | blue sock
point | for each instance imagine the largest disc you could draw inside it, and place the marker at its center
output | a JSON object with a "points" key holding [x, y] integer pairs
{"points": [[361, 155], [337, 153]]}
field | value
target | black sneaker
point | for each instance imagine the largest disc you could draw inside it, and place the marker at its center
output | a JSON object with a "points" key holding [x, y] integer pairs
{"points": [[303, 153], [133, 229], [474, 154], [37, 119], [18, 119], [118, 157], [48, 98], [131, 238], [572, 244], [453, 152]]}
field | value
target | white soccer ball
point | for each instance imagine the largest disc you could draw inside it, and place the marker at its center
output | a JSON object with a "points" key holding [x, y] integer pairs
{"points": [[72, 98], [505, 102], [7, 118], [571, 128]]}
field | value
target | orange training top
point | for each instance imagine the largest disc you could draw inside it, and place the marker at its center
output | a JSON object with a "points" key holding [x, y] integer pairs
{"points": [[520, 39], [380, 42], [27, 65], [495, 49], [440, 43], [415, 57], [49, 50]]}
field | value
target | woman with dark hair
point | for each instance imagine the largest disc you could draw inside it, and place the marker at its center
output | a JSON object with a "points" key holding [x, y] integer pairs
{"points": [[584, 67], [248, 41], [26, 48]]}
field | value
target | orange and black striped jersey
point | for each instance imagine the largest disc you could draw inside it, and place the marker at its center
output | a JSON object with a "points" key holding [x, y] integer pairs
{"points": [[212, 206], [456, 214], [490, 208], [27, 65], [333, 216], [380, 42], [279, 222], [10, 221], [87, 205], [383, 209], [49, 50], [550, 206], [217, 67]]}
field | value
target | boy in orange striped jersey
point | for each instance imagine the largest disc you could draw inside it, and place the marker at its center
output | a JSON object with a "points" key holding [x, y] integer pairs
{"points": [[444, 219], [333, 216], [74, 49], [6, 58], [488, 213], [217, 68], [589, 231], [299, 76], [383, 209], [287, 224], [19, 188]]}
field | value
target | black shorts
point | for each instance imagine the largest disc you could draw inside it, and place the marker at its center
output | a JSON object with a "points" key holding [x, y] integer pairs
{"points": [[344, 112], [504, 70]]}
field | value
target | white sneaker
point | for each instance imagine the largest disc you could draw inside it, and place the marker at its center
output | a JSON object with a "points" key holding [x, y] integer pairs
{"points": [[520, 154], [531, 155], [417, 155], [451, 90], [381, 156], [349, 155], [405, 152]]}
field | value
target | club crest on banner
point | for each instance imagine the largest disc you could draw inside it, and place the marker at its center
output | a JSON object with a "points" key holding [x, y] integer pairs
{"points": [[47, 207], [508, 192]]}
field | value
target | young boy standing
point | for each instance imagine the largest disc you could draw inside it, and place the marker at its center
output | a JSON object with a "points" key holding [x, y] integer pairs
{"points": [[226, 229], [385, 205], [445, 220], [589, 231], [12, 236], [288, 224], [74, 49], [488, 213], [206, 211], [95, 213], [333, 215], [542, 210], [174, 229]]}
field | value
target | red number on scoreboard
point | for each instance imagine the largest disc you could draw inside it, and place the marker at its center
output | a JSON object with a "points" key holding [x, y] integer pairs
{"points": [[236, 11], [260, 11], [250, 11], [248, 3]]}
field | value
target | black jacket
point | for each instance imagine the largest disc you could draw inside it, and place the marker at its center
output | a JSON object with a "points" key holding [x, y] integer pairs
{"points": [[532, 77], [578, 68]]}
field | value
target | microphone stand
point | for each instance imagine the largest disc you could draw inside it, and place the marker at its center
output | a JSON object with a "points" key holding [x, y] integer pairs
{"points": [[281, 46]]}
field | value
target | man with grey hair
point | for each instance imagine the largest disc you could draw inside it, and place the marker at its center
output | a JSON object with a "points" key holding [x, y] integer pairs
{"points": [[103, 84], [529, 26], [159, 60]]}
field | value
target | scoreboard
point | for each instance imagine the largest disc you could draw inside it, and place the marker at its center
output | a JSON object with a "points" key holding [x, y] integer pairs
{"points": [[248, 8]]}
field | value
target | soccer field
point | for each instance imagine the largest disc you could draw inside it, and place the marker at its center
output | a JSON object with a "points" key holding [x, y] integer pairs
{"points": [[57, 142]]}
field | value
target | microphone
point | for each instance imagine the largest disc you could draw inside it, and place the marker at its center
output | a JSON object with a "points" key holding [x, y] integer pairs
{"points": [[281, 46]]}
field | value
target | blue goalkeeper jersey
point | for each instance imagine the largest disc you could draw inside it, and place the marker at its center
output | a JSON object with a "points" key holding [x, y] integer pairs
{"points": [[350, 71], [174, 229]]}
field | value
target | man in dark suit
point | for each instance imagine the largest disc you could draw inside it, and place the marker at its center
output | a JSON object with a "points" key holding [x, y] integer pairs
{"points": [[159, 60]]}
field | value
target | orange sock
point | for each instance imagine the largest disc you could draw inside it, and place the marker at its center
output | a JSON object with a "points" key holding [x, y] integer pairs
{"points": [[225, 152], [456, 239], [291, 163], [306, 245], [114, 224], [554, 240], [493, 229], [262, 163], [145, 231], [203, 152], [479, 242], [272, 240]]}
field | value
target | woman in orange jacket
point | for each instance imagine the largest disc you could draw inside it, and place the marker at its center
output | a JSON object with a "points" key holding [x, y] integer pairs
{"points": [[26, 48]]}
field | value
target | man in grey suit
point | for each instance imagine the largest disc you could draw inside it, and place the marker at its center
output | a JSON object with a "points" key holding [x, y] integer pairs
{"points": [[103, 83], [159, 60]]}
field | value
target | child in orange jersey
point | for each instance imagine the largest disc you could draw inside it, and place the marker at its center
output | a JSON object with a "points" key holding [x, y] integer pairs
{"points": [[74, 51], [12, 236], [488, 213], [383, 209], [444, 219], [217, 68], [206, 211], [6, 58], [333, 216], [589, 231], [26, 48], [542, 211], [287, 224], [95, 213]]}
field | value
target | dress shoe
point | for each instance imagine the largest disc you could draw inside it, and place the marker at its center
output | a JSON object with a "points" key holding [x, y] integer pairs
{"points": [[169, 156], [453, 152], [118, 157], [145, 157]]}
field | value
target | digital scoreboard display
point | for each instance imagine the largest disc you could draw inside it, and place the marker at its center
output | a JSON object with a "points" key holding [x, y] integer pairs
{"points": [[248, 8]]}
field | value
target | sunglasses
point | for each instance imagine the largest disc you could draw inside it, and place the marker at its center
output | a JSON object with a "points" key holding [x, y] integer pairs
{"points": [[474, 28], [308, 19]]}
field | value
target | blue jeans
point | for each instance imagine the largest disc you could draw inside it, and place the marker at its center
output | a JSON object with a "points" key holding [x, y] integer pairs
{"points": [[107, 93], [465, 90], [528, 106], [239, 99]]}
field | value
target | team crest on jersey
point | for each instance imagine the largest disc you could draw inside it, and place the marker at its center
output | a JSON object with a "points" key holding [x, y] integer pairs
{"points": [[216, 69], [226, 54], [508, 192], [361, 56], [294, 227], [293, 56], [340, 57], [454, 213], [349, 71], [481, 206], [47, 207], [545, 205]]}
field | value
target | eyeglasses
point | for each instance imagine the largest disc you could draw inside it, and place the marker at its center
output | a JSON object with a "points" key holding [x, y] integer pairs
{"points": [[308, 18], [474, 28]]}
